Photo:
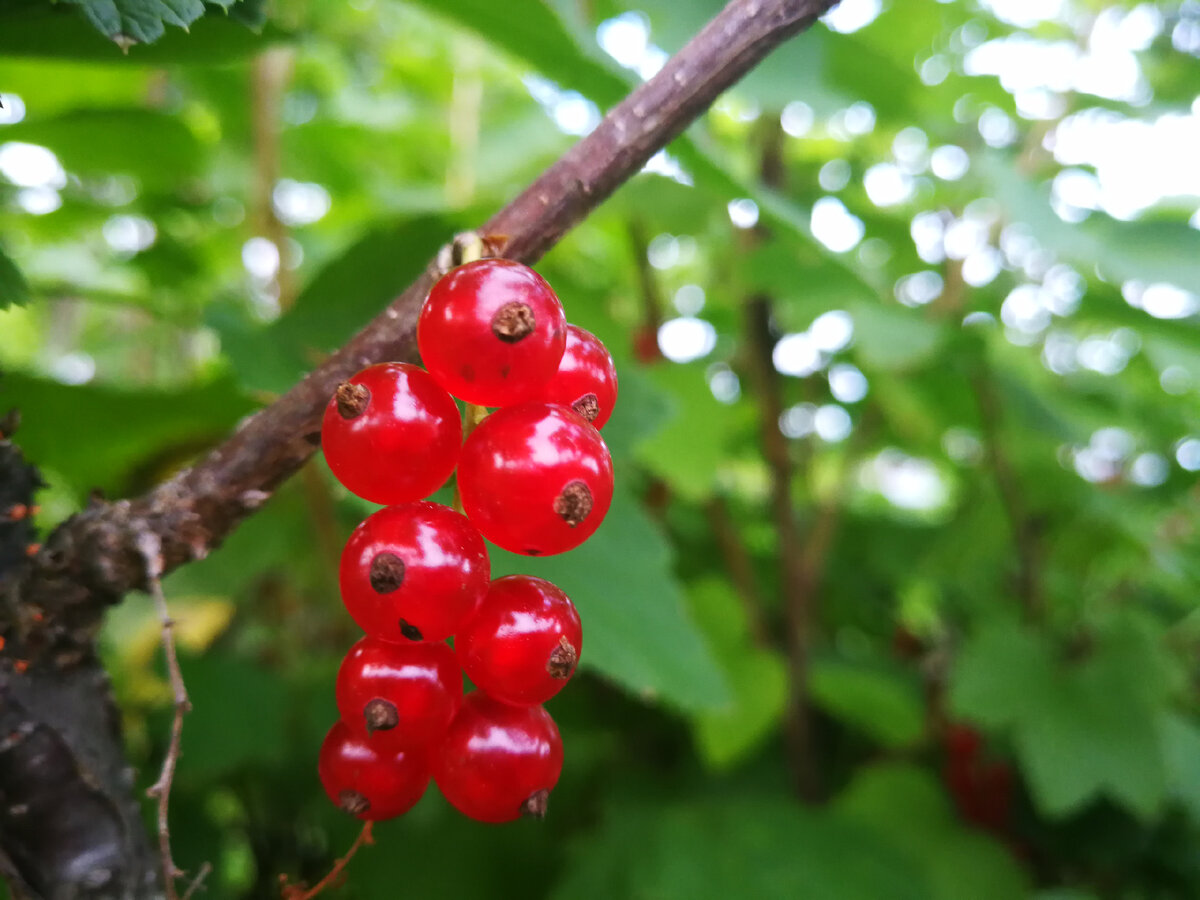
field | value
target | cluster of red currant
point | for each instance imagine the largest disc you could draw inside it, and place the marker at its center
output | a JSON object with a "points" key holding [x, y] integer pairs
{"points": [[534, 477]]}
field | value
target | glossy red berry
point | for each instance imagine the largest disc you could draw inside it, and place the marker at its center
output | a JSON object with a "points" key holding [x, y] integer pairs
{"points": [[535, 478], [586, 379], [499, 762], [400, 695], [368, 781], [523, 642], [492, 332], [391, 434], [413, 572]]}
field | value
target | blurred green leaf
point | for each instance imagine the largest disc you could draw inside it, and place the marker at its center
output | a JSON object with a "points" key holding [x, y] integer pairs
{"points": [[759, 683], [689, 450], [894, 338], [238, 716], [908, 809], [14, 291], [758, 678], [156, 147], [880, 703], [1081, 729], [752, 846], [532, 31], [636, 629], [1145, 250], [101, 437]]}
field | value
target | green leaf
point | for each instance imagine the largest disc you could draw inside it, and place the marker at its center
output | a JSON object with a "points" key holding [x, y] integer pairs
{"points": [[157, 147], [14, 291], [759, 682], [907, 808], [882, 704], [1082, 729], [141, 21], [530, 30], [224, 734], [1145, 250], [893, 338], [758, 678], [636, 627], [688, 451], [58, 32], [1181, 747], [104, 437], [751, 846]]}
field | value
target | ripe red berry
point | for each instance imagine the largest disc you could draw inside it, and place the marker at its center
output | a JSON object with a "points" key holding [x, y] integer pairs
{"points": [[586, 379], [523, 642], [499, 762], [401, 695], [391, 434], [492, 332], [367, 781], [535, 478], [413, 572]]}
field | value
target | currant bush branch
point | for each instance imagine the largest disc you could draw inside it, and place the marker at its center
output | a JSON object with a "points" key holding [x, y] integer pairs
{"points": [[193, 511]]}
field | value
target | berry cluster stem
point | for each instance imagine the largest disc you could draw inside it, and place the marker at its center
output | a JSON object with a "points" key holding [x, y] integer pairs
{"points": [[472, 416], [298, 892]]}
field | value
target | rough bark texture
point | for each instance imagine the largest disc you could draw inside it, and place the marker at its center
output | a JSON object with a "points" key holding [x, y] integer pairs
{"points": [[89, 842]]}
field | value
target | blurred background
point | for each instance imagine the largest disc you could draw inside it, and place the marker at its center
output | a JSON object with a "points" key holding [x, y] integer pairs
{"points": [[898, 595]]}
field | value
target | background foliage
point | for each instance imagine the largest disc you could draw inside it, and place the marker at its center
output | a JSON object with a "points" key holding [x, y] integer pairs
{"points": [[989, 363]]}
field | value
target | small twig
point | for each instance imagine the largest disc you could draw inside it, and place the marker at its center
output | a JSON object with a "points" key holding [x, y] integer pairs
{"points": [[198, 881], [740, 567], [151, 549], [300, 892]]}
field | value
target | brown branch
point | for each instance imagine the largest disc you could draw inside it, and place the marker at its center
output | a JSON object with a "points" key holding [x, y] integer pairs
{"points": [[150, 547], [299, 892], [93, 556], [740, 567], [794, 571]]}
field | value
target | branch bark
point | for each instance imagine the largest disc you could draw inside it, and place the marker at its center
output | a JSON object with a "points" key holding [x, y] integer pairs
{"points": [[93, 559]]}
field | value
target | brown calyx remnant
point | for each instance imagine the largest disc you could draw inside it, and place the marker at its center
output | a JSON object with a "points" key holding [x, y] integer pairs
{"points": [[562, 660], [412, 632], [574, 503], [381, 715], [353, 802], [587, 406], [351, 399], [535, 806], [387, 573], [513, 321]]}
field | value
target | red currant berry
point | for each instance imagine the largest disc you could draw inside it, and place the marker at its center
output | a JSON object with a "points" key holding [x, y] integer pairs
{"points": [[413, 572], [391, 434], [499, 762], [523, 642], [492, 332], [535, 478], [586, 379], [367, 781], [406, 694]]}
